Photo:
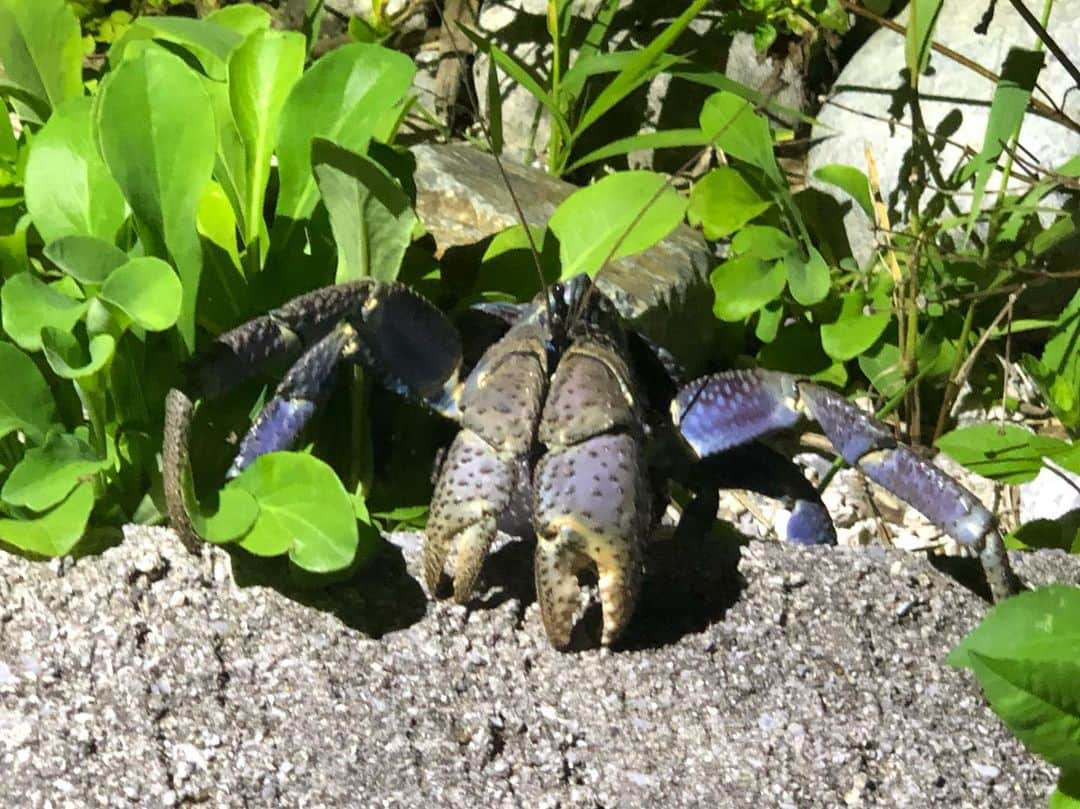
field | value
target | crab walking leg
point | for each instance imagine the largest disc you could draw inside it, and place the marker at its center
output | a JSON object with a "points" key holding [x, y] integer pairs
{"points": [[724, 410]]}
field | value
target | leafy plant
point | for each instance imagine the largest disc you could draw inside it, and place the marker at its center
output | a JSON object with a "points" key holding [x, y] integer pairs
{"points": [[1023, 654]]}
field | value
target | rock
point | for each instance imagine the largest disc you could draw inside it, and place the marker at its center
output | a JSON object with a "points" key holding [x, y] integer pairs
{"points": [[1054, 492], [462, 199], [243, 695], [872, 85]]}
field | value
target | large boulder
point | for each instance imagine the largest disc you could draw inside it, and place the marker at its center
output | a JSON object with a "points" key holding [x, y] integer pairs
{"points": [[149, 677]]}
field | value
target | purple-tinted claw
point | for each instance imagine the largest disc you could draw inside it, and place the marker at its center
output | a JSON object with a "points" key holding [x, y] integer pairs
{"points": [[810, 524]]}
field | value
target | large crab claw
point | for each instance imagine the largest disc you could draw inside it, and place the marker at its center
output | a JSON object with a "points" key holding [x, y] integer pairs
{"points": [[725, 410], [385, 327]]}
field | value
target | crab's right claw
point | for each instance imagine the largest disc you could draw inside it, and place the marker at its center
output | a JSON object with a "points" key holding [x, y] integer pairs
{"points": [[406, 342]]}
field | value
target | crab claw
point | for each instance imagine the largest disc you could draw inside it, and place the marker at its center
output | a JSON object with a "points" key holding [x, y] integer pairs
{"points": [[591, 510], [724, 410]]}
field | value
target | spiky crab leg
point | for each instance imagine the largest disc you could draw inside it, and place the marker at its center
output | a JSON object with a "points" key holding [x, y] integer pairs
{"points": [[728, 409]]}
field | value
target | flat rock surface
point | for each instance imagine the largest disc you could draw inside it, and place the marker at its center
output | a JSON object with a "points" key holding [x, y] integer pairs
{"points": [[147, 677]]}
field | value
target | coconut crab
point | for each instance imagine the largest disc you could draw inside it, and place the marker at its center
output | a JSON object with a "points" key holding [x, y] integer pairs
{"points": [[571, 425]]}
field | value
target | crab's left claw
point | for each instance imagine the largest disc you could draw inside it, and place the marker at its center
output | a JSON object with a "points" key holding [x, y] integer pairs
{"points": [[407, 343], [729, 409]]}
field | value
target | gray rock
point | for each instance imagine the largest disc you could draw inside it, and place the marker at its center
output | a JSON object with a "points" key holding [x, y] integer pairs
{"points": [[147, 677], [462, 199], [1055, 491], [871, 85]]}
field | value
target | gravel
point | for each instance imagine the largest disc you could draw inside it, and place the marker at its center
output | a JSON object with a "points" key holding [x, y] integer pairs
{"points": [[148, 677]]}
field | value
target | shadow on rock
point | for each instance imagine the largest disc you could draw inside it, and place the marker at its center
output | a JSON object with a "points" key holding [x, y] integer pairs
{"points": [[378, 598]]}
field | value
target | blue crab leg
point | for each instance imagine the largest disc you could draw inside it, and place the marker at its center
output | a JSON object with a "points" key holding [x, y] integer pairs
{"points": [[717, 412]]}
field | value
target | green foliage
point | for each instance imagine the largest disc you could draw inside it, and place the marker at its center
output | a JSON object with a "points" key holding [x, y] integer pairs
{"points": [[142, 221], [1023, 654]]}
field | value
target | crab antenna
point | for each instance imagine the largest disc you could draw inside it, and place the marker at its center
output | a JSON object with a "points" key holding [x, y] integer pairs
{"points": [[449, 29]]}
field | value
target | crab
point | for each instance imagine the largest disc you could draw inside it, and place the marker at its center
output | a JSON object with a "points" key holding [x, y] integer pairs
{"points": [[571, 425]]}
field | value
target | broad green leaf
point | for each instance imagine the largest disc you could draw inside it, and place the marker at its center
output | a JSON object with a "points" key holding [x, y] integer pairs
{"points": [[371, 216], [41, 51], [341, 98], [1063, 533], [147, 290], [920, 33], [47, 474], [808, 278], [303, 510], [241, 18], [162, 155], [851, 181], [1007, 110], [54, 533], [1067, 794], [262, 72], [862, 320], [29, 305], [744, 284], [721, 202], [86, 259], [764, 242], [223, 293], [210, 43], [732, 123], [70, 358], [1024, 654], [26, 403], [1001, 452], [235, 515], [617, 216], [68, 189]]}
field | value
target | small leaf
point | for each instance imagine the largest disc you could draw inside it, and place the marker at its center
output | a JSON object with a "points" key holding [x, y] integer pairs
{"points": [[1007, 453], [342, 98], [241, 18], [763, 242], [808, 279], [86, 259], [54, 533], [303, 510], [850, 180], [861, 321], [722, 202], [29, 305], [47, 474], [26, 403], [68, 189], [736, 127], [625, 212], [41, 50], [69, 358], [744, 284], [371, 216], [920, 33], [147, 290], [236, 513]]}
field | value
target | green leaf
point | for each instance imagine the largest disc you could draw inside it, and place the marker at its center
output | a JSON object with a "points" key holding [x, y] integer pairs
{"points": [[625, 212], [862, 320], [1024, 654], [1063, 533], [70, 359], [722, 201], [26, 403], [764, 242], [41, 51], [47, 474], [371, 216], [85, 258], [1067, 794], [29, 305], [341, 98], [797, 349], [303, 510], [262, 72], [209, 43], [744, 284], [664, 139], [236, 513], [1007, 453], [161, 154], [851, 181], [920, 32], [1007, 110], [808, 278], [732, 124], [147, 290], [241, 18], [68, 189], [54, 533]]}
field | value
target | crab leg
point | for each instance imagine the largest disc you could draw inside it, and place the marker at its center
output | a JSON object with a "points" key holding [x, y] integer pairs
{"points": [[724, 410]]}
